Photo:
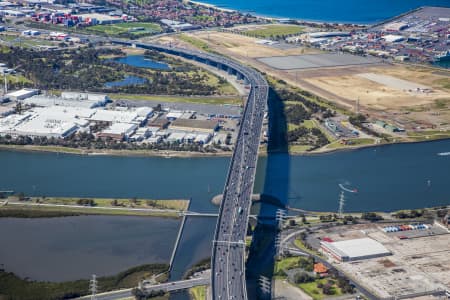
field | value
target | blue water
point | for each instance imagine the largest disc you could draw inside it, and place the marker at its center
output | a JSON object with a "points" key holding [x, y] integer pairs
{"points": [[443, 64], [128, 80], [350, 11], [70, 248], [388, 178], [141, 62]]}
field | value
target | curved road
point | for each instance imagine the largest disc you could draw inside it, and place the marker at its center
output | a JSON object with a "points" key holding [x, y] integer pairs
{"points": [[228, 253]]}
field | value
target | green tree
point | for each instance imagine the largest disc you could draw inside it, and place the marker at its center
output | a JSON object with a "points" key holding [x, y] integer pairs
{"points": [[302, 277]]}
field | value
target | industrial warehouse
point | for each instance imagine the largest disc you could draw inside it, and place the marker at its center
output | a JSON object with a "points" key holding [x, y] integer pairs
{"points": [[60, 117], [392, 260], [355, 249]]}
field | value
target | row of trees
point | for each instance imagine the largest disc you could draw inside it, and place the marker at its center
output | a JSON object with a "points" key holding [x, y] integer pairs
{"points": [[359, 120], [313, 136], [88, 141], [302, 96]]}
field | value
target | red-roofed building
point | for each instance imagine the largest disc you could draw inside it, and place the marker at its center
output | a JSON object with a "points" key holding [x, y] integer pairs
{"points": [[320, 269]]}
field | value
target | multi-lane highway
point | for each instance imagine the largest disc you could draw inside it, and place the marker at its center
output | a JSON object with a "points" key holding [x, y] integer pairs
{"points": [[228, 254], [228, 259]]}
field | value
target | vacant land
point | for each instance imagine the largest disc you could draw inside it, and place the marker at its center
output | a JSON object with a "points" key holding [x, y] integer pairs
{"points": [[193, 99], [408, 109], [308, 61], [198, 292], [234, 44], [109, 202], [350, 143], [17, 40], [36, 207], [397, 91]]}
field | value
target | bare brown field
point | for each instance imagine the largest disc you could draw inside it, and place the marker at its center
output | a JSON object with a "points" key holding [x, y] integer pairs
{"points": [[380, 96], [246, 46], [342, 85]]}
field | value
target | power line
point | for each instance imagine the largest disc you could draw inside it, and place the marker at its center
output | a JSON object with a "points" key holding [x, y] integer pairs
{"points": [[93, 287]]}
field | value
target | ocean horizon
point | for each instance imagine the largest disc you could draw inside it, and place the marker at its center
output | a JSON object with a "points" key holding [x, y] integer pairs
{"points": [[344, 11]]}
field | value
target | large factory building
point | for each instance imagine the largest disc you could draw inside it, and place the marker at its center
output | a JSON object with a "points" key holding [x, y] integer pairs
{"points": [[355, 249]]}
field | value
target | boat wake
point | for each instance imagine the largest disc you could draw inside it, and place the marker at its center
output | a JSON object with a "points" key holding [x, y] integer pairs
{"points": [[444, 153], [347, 189]]}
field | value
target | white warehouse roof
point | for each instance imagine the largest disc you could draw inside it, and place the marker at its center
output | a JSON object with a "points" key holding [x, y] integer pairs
{"points": [[114, 116], [120, 129], [22, 94], [392, 38], [357, 248]]}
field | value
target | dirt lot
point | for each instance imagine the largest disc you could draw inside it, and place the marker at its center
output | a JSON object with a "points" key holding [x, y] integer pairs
{"points": [[247, 46], [382, 96], [342, 85], [416, 265]]}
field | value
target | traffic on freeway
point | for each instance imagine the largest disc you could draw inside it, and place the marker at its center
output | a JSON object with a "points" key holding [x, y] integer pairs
{"points": [[228, 253]]}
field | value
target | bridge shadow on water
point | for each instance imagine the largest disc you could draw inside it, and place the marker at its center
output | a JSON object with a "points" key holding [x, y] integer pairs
{"points": [[274, 196]]}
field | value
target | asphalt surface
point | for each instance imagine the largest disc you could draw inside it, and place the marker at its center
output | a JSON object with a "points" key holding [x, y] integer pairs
{"points": [[228, 254], [228, 257]]}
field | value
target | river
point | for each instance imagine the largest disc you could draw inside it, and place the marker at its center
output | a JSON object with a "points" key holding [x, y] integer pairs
{"points": [[70, 248], [387, 178]]}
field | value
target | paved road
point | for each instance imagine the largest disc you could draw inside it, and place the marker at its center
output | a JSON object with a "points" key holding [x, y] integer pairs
{"points": [[228, 257], [177, 285], [147, 287], [228, 261]]}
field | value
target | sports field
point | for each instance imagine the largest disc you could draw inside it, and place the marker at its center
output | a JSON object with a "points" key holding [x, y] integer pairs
{"points": [[133, 28]]}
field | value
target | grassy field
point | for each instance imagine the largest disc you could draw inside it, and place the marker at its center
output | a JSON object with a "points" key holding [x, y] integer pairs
{"points": [[224, 88], [428, 135], [107, 202], [28, 211], [118, 29], [13, 287], [122, 207], [299, 148], [26, 42], [267, 31], [195, 42], [43, 148], [16, 79], [287, 263], [299, 244], [194, 99], [443, 83], [316, 293], [198, 292], [354, 142]]}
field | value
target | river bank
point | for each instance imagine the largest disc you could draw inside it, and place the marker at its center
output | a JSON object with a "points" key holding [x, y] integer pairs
{"points": [[309, 182], [184, 154], [44, 207], [20, 288]]}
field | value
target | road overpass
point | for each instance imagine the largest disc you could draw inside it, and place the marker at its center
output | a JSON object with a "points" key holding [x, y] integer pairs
{"points": [[148, 287], [228, 254]]}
